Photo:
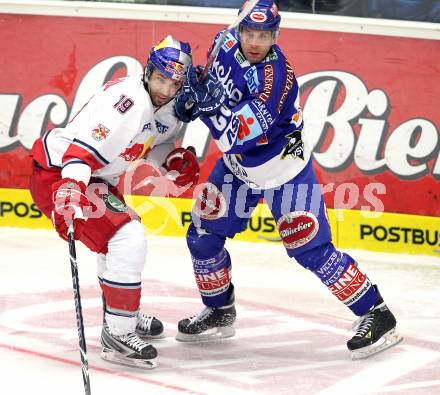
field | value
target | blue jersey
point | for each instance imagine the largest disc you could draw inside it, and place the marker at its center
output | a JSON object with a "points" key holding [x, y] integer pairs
{"points": [[259, 128]]}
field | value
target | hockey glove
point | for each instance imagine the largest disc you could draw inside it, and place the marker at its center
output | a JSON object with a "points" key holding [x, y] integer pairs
{"points": [[208, 95], [182, 166], [70, 201], [184, 108]]}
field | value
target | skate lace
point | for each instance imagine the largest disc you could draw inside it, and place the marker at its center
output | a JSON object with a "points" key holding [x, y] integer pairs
{"points": [[205, 313], [144, 321], [363, 324], [134, 341]]}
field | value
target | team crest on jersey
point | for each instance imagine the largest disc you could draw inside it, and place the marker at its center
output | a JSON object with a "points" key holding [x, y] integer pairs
{"points": [[100, 132], [295, 146], [114, 204], [229, 42]]}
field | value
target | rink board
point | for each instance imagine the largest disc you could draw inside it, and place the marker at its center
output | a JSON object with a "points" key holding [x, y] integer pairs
{"points": [[384, 232], [366, 133]]}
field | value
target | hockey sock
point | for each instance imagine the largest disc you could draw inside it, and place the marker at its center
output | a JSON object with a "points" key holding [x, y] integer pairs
{"points": [[341, 275]]}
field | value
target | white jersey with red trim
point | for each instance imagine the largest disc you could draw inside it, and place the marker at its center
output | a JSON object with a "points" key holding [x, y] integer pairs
{"points": [[118, 125]]}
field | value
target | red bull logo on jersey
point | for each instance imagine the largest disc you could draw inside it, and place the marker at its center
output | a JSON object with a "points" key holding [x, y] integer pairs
{"points": [[100, 132], [132, 153]]}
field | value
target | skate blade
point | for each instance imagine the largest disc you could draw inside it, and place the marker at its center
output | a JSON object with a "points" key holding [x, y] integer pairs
{"points": [[388, 340], [113, 356], [147, 336], [209, 335]]}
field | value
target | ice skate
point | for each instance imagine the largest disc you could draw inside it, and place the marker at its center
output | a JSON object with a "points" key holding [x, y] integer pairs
{"points": [[210, 324], [375, 332], [128, 350], [148, 327]]}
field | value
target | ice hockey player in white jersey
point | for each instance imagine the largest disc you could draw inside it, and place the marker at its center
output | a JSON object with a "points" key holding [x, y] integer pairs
{"points": [[76, 171]]}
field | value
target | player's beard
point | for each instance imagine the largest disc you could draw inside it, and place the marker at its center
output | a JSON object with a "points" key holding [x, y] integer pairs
{"points": [[159, 100]]}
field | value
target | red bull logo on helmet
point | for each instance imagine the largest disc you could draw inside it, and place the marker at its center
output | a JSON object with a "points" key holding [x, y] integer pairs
{"points": [[175, 68]]}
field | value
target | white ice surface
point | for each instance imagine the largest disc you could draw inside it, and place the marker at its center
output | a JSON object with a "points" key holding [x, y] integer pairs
{"points": [[291, 332]]}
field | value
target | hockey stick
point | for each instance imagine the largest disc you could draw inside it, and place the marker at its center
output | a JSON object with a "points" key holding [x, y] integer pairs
{"points": [[250, 4], [78, 310]]}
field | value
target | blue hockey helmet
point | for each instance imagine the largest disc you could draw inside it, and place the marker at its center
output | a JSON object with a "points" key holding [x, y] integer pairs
{"points": [[171, 57], [264, 16]]}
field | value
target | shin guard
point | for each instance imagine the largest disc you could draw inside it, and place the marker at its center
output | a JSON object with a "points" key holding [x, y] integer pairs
{"points": [[212, 266], [341, 275]]}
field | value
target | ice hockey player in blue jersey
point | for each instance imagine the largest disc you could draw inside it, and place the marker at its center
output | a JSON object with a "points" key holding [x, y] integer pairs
{"points": [[250, 102]]}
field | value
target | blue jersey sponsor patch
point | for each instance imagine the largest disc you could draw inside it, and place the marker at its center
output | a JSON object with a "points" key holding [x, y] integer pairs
{"points": [[249, 126], [229, 42], [263, 114], [251, 76]]}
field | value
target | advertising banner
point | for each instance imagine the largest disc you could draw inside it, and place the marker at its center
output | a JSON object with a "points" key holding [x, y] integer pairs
{"points": [[370, 102]]}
